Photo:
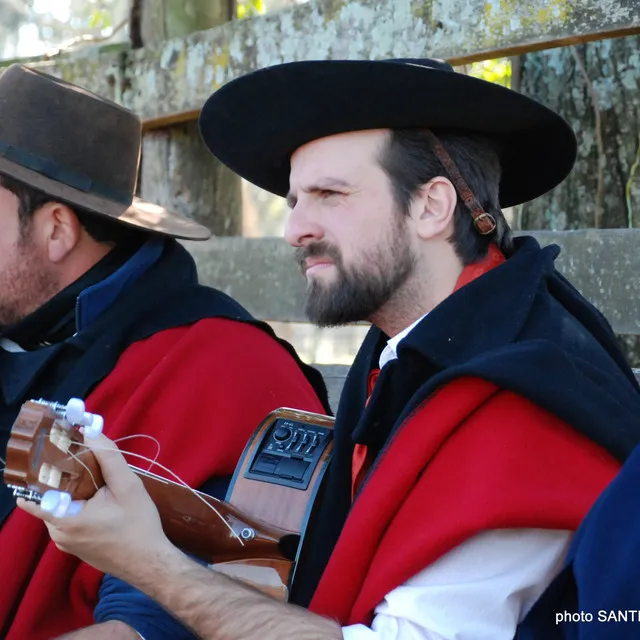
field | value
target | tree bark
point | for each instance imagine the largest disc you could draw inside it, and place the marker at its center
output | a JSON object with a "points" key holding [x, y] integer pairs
{"points": [[177, 170], [166, 19], [596, 88]]}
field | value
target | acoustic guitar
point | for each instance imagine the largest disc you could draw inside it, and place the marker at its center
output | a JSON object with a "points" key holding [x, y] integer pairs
{"points": [[255, 535]]}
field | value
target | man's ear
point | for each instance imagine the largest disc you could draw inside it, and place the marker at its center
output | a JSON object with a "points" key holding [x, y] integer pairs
{"points": [[58, 230], [435, 205]]}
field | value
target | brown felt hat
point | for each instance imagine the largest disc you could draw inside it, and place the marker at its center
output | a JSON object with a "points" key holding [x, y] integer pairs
{"points": [[79, 148]]}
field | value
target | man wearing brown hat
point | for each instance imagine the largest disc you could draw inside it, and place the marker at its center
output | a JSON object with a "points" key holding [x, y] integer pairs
{"points": [[475, 427], [98, 301]]}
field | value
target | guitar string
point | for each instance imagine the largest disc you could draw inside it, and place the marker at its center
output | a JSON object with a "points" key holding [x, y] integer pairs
{"points": [[88, 470], [177, 478], [86, 467], [152, 462], [148, 437]]}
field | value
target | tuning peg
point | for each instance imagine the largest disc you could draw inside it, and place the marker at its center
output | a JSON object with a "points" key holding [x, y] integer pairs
{"points": [[94, 429], [75, 414], [74, 411], [59, 504]]}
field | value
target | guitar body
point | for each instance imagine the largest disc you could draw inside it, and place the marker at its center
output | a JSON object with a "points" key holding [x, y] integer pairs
{"points": [[277, 480], [255, 535]]}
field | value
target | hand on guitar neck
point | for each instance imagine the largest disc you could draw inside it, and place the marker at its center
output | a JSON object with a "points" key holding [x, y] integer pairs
{"points": [[247, 537], [119, 531], [120, 506]]}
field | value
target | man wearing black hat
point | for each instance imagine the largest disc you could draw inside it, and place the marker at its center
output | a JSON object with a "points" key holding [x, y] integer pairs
{"points": [[488, 406], [98, 301]]}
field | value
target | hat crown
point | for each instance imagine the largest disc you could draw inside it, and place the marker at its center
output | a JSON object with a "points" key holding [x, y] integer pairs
{"points": [[53, 126], [255, 123]]}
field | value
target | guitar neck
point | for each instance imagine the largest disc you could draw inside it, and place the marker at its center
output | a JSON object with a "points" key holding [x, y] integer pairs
{"points": [[209, 528], [276, 481]]}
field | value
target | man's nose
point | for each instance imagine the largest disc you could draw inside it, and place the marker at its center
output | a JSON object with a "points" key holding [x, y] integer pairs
{"points": [[301, 229]]}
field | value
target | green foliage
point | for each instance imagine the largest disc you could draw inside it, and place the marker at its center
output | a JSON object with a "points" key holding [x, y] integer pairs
{"points": [[498, 71], [249, 8], [99, 19], [60, 23]]}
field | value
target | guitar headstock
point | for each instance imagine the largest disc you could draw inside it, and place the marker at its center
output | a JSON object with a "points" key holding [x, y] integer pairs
{"points": [[46, 451]]}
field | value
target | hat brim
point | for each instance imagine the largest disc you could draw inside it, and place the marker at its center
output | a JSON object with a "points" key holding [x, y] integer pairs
{"points": [[254, 124], [144, 215]]}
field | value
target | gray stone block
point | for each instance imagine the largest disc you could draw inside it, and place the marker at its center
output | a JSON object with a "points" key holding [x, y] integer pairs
{"points": [[260, 273]]}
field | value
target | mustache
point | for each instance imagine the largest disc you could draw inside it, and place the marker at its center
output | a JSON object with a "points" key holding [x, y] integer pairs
{"points": [[323, 249]]}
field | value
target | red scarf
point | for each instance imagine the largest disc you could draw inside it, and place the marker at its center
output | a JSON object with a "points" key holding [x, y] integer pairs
{"points": [[361, 459], [493, 259]]}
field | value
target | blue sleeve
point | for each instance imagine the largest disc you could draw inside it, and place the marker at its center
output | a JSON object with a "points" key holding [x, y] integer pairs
{"points": [[118, 600]]}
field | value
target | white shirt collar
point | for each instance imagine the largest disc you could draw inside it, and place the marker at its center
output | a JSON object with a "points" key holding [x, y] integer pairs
{"points": [[10, 345], [390, 351]]}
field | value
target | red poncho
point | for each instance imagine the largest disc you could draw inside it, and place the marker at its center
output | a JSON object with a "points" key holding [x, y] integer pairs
{"points": [[201, 390]]}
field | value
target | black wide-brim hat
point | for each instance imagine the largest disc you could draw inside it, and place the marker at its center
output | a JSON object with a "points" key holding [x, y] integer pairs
{"points": [[254, 124], [80, 149]]}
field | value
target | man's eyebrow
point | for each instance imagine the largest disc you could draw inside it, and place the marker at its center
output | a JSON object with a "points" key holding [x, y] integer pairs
{"points": [[321, 185], [326, 183]]}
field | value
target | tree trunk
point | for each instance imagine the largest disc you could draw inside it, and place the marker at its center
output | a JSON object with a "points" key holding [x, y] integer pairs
{"points": [[596, 88], [166, 19], [177, 170]]}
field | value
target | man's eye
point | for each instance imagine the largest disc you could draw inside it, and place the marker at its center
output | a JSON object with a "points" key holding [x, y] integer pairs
{"points": [[326, 193]]}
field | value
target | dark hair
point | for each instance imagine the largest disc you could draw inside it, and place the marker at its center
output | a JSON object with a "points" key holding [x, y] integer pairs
{"points": [[100, 228], [409, 162]]}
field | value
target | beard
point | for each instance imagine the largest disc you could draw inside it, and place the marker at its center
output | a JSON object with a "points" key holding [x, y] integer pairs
{"points": [[360, 290], [25, 283]]}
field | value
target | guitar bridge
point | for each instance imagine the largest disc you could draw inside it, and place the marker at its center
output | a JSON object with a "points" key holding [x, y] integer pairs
{"points": [[27, 494]]}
